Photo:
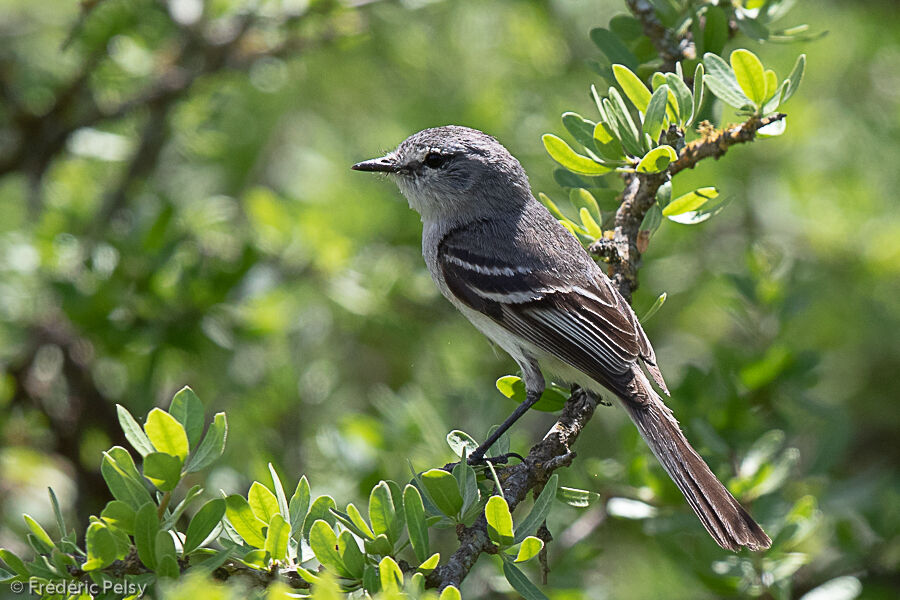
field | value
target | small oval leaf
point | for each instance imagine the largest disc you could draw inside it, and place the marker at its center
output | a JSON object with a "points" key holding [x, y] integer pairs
{"points": [[657, 160], [560, 151]]}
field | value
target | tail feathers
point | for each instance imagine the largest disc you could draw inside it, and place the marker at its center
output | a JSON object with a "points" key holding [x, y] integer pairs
{"points": [[722, 516]]}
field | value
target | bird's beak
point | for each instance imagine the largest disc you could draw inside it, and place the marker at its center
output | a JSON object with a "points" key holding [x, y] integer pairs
{"points": [[385, 164]]}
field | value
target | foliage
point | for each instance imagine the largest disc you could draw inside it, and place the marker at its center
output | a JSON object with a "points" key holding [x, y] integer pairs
{"points": [[138, 540], [213, 236]]}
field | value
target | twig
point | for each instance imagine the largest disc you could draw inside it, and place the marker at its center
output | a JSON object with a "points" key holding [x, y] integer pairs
{"points": [[715, 143], [670, 46], [548, 455], [623, 251]]}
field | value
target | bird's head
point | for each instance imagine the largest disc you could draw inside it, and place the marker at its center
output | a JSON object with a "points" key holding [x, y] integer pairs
{"points": [[453, 171]]}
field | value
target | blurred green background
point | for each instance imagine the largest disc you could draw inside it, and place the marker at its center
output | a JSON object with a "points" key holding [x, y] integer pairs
{"points": [[212, 234]]}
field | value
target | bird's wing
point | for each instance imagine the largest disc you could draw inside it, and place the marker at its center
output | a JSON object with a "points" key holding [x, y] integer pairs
{"points": [[574, 315]]}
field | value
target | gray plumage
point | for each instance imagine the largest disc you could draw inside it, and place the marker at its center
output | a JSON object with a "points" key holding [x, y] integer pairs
{"points": [[502, 259]]}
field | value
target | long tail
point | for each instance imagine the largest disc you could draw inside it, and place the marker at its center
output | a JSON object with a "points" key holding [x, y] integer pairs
{"points": [[724, 518]]}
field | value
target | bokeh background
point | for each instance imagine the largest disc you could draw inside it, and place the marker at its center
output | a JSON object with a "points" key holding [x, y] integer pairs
{"points": [[176, 207]]}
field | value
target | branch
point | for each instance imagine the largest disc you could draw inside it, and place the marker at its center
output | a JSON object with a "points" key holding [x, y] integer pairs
{"points": [[551, 453], [714, 143], [623, 251], [670, 46]]}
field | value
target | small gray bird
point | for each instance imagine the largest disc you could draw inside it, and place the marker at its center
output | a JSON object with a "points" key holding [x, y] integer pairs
{"points": [[525, 282]]}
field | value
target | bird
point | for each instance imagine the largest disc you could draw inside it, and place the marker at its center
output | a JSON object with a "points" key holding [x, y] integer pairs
{"points": [[523, 280]]}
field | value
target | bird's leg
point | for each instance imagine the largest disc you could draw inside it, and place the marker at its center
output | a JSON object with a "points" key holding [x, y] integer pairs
{"points": [[531, 397]]}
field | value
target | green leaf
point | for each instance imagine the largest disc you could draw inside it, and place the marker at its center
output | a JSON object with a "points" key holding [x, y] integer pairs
{"points": [[163, 470], [775, 101], [633, 87], [593, 229], [521, 583], [442, 489], [581, 198], [539, 511], [310, 577], [715, 30], [123, 543], [277, 537], [119, 514], [610, 44], [212, 446], [690, 201], [146, 526], [172, 518], [660, 300], [771, 83], [752, 28], [188, 410], [415, 521], [391, 575], [795, 77], [245, 521], [133, 432], [344, 519], [699, 94], [324, 544], [121, 477], [628, 131], [166, 433], [101, 547], [262, 501], [450, 593], [203, 523], [626, 27], [164, 546], [551, 205], [499, 521], [13, 562], [657, 160], [575, 497], [750, 75], [514, 388], [279, 493], [580, 128], [655, 117], [379, 546], [659, 80], [652, 219], [39, 533], [320, 509], [560, 151], [60, 522], [683, 97], [415, 586], [353, 559], [607, 143], [530, 548], [461, 443], [382, 514], [357, 519], [429, 564], [466, 480], [371, 583], [298, 506], [721, 81], [499, 448], [167, 567]]}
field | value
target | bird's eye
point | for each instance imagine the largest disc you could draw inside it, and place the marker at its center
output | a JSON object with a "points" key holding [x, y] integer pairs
{"points": [[434, 160]]}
